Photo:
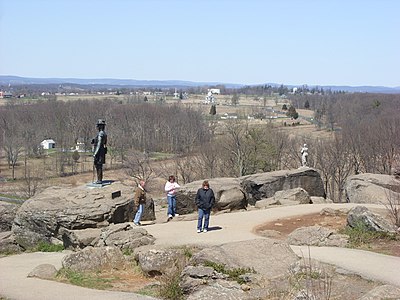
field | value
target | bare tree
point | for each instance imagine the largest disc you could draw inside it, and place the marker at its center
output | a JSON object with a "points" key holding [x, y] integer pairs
{"points": [[186, 168], [139, 167], [325, 161], [208, 160], [343, 165], [389, 127], [334, 159], [235, 145], [235, 99], [32, 183], [393, 204], [12, 143]]}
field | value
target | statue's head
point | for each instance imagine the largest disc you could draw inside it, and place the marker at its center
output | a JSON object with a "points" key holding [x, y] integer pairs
{"points": [[305, 145], [100, 123]]}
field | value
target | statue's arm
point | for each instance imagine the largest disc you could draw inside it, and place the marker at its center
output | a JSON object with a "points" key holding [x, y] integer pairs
{"points": [[99, 140]]}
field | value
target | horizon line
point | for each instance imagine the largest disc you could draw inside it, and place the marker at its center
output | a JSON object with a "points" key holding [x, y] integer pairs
{"points": [[205, 82]]}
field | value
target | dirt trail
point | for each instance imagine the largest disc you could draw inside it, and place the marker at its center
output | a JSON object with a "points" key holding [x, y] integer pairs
{"points": [[225, 228]]}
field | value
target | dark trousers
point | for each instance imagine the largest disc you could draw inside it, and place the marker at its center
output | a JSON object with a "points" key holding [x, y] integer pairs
{"points": [[99, 172]]}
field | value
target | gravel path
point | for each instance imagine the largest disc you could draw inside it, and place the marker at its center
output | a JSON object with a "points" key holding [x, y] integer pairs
{"points": [[225, 228]]}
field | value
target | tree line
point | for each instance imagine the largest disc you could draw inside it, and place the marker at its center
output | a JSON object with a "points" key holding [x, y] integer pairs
{"points": [[142, 127], [364, 137]]}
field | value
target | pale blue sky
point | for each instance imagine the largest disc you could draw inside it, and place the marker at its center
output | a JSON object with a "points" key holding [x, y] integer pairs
{"points": [[326, 42]]}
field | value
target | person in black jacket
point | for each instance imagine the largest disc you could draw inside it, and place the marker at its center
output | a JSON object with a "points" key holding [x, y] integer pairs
{"points": [[204, 201]]}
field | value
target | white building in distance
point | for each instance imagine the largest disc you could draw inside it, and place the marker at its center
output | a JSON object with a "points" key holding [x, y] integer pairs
{"points": [[214, 91], [48, 144]]}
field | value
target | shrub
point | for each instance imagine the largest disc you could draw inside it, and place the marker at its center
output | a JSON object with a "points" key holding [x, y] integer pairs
{"points": [[48, 247], [187, 252], [310, 282], [169, 285], [83, 279], [127, 251], [233, 274], [359, 235]]}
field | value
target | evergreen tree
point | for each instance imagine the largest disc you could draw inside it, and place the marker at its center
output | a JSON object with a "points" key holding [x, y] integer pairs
{"points": [[292, 113], [213, 110], [75, 156], [376, 104], [282, 90]]}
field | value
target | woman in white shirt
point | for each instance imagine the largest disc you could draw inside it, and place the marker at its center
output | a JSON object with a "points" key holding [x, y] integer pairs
{"points": [[170, 187]]}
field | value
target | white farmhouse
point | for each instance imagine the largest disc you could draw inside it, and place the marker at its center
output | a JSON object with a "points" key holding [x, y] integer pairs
{"points": [[80, 145], [214, 91], [227, 116], [48, 144]]}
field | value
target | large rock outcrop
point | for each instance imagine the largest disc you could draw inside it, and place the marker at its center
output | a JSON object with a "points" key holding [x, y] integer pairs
{"points": [[210, 273], [317, 236], [237, 193], [287, 197], [265, 185], [382, 292], [95, 259], [360, 216], [268, 257], [228, 195], [8, 243], [123, 236], [159, 261], [7, 215], [46, 215], [372, 188]]}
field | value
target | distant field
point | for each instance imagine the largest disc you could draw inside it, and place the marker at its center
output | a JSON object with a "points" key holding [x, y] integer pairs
{"points": [[91, 97], [248, 105]]}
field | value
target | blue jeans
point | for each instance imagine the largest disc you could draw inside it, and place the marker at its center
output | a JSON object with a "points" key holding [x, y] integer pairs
{"points": [[139, 213], [203, 213], [171, 205]]}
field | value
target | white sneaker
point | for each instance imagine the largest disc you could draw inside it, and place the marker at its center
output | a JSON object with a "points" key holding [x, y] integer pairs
{"points": [[176, 215], [170, 216], [205, 230], [198, 230]]}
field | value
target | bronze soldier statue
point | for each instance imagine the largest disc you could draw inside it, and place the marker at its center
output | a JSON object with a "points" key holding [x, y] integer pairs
{"points": [[100, 150]]}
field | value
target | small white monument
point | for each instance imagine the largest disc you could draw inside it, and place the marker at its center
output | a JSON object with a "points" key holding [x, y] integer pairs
{"points": [[176, 94], [304, 155]]}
